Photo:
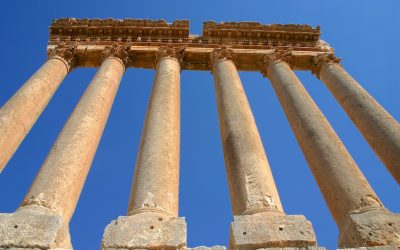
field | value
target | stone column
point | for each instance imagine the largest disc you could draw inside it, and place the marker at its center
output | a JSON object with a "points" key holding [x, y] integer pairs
{"points": [[152, 220], [377, 126], [22, 110], [259, 220], [42, 220], [358, 212]]}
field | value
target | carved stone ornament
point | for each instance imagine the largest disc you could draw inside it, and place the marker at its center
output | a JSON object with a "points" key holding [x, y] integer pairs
{"points": [[319, 60], [277, 56], [167, 51], [223, 53], [120, 52], [66, 53]]}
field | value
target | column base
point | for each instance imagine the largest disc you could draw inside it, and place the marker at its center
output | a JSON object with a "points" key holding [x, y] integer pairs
{"points": [[368, 228], [145, 230], [265, 231], [34, 227]]}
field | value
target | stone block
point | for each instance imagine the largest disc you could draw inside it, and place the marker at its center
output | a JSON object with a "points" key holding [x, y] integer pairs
{"points": [[257, 231], [368, 228], [145, 231], [33, 227]]}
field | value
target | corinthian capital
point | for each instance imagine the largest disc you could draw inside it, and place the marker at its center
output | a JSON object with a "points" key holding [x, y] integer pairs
{"points": [[221, 54], [277, 56], [120, 52], [172, 52], [65, 53], [322, 59]]}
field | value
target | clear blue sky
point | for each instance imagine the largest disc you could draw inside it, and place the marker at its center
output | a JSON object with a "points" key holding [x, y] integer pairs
{"points": [[366, 34]]}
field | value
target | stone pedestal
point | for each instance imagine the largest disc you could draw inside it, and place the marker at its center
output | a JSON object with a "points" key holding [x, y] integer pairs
{"points": [[370, 227], [34, 227], [264, 230], [149, 230]]}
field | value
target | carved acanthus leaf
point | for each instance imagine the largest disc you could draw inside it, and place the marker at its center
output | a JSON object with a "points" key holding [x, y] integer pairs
{"points": [[118, 51], [168, 51], [321, 59], [277, 56], [223, 53], [67, 53]]}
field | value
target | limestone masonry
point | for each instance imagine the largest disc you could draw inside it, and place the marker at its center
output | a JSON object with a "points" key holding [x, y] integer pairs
{"points": [[152, 222]]}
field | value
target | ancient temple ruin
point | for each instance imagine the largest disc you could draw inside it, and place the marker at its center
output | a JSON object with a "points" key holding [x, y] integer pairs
{"points": [[152, 222]]}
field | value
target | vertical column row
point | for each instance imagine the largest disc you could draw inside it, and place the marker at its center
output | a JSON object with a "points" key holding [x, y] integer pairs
{"points": [[361, 217], [259, 220], [43, 218]]}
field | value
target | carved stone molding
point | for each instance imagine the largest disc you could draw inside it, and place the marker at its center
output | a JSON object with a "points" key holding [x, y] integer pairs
{"points": [[252, 33], [319, 60], [65, 53], [168, 51], [277, 56], [121, 52], [223, 53]]}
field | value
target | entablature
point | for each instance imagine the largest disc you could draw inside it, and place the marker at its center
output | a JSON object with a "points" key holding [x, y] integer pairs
{"points": [[250, 41]]}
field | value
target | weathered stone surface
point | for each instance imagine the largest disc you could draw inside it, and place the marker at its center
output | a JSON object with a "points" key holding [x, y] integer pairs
{"points": [[61, 178], [342, 184], [375, 227], [22, 110], [145, 231], [33, 228], [156, 181], [251, 184], [265, 231], [378, 127]]}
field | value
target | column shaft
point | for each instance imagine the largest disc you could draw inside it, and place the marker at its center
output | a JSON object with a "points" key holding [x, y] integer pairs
{"points": [[342, 184], [251, 184], [22, 110], [377, 126], [62, 175], [156, 181]]}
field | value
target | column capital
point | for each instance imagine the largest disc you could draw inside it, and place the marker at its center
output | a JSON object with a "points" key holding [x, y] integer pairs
{"points": [[275, 57], [320, 59], [220, 54], [119, 52], [171, 52], [65, 53]]}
